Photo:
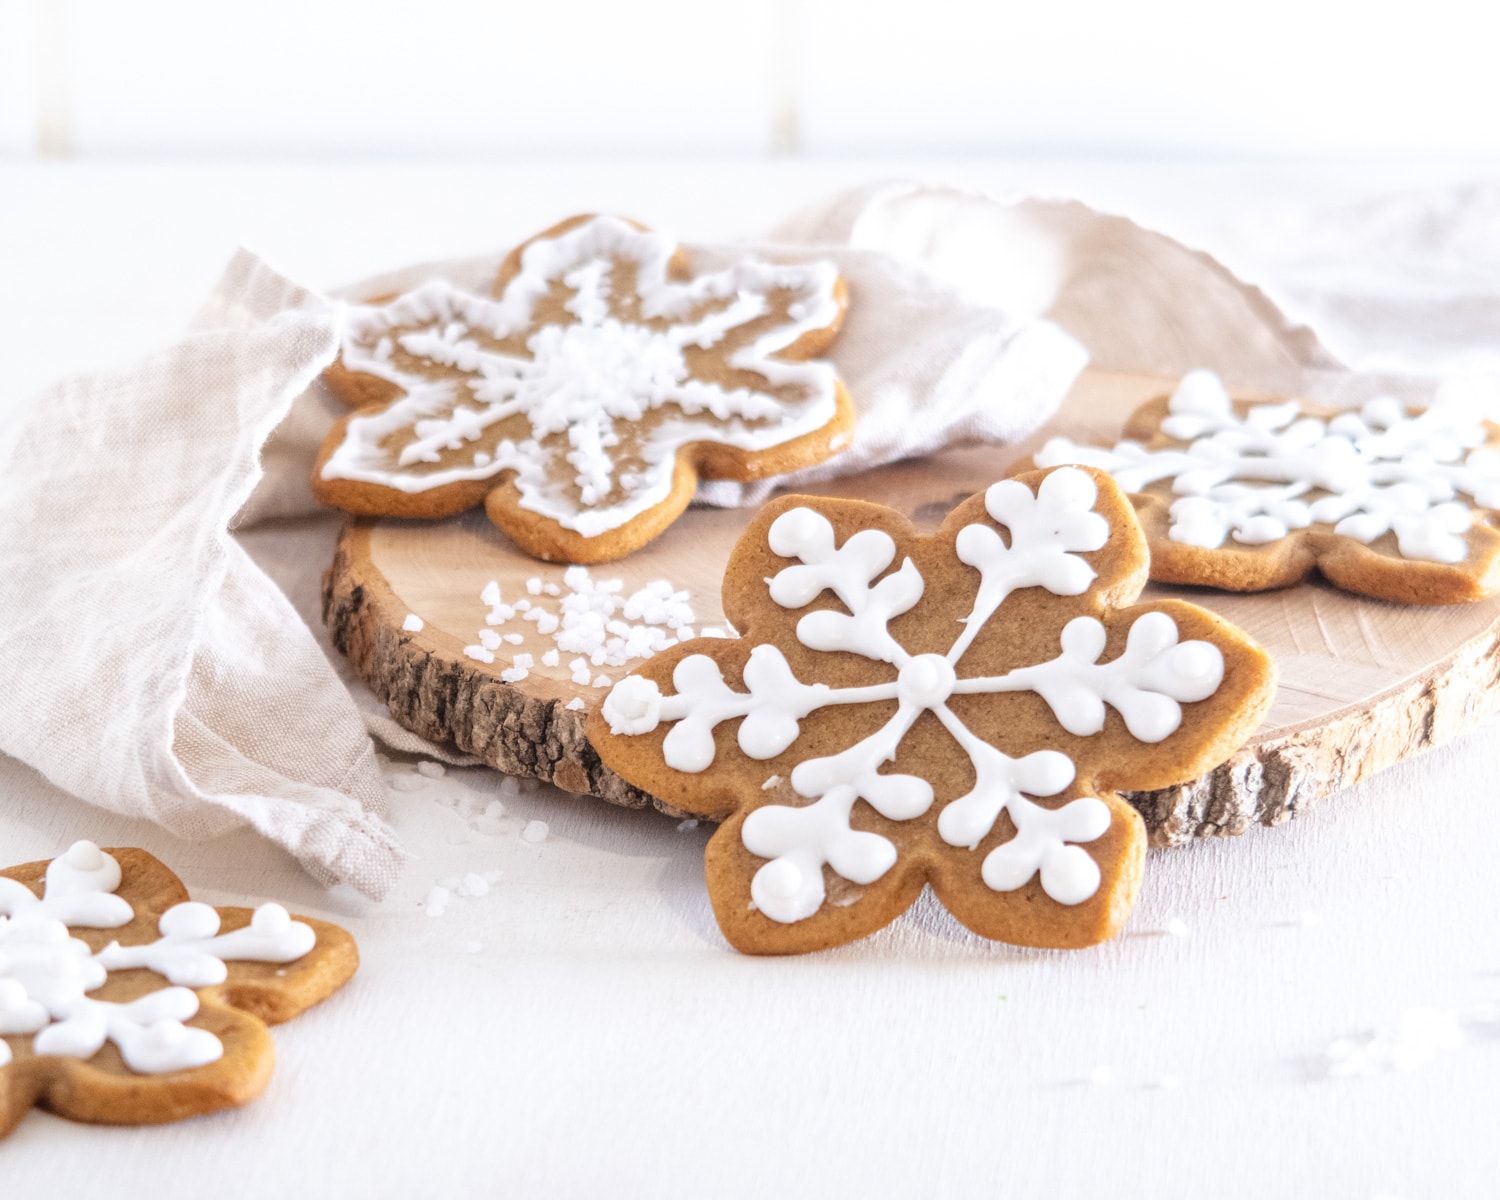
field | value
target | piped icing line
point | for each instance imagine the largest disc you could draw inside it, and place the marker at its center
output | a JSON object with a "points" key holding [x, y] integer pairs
{"points": [[1147, 683], [45, 973], [576, 384], [1258, 476]]}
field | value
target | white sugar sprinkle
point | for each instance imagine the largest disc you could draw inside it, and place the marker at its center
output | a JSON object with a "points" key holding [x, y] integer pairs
{"points": [[770, 783], [406, 783], [550, 658], [1177, 927], [433, 770], [534, 585], [491, 593], [479, 653], [514, 674], [437, 901], [523, 660], [413, 623], [474, 885], [602, 681], [552, 589], [684, 826], [513, 639], [535, 832], [714, 631], [574, 705], [489, 639]]}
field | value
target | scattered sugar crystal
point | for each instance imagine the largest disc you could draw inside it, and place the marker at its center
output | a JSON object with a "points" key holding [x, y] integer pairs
{"points": [[514, 639], [534, 585], [1421, 1035], [550, 658], [523, 605], [546, 623], [535, 831], [489, 639], [481, 459], [602, 681], [713, 631], [685, 633], [574, 705], [500, 614], [433, 770], [479, 653], [770, 783], [1177, 927], [552, 589], [491, 593], [523, 660], [533, 615], [1102, 1076], [514, 674], [413, 623], [406, 783], [684, 826], [437, 901], [473, 885]]}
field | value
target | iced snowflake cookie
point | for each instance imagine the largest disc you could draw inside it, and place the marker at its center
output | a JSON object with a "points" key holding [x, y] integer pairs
{"points": [[122, 1002], [956, 710], [581, 403], [1386, 501]]}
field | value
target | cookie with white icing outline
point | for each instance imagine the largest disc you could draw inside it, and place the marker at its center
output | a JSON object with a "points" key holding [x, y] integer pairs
{"points": [[1387, 501], [583, 400], [957, 709], [122, 1002]]}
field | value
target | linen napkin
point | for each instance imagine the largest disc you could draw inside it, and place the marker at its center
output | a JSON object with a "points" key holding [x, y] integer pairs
{"points": [[158, 670]]}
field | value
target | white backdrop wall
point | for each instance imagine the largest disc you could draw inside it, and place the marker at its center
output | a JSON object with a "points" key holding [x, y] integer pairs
{"points": [[419, 78]]}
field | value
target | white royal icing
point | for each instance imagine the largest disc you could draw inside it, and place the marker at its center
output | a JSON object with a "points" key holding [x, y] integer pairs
{"points": [[1259, 476], [624, 357], [1147, 685], [45, 973]]}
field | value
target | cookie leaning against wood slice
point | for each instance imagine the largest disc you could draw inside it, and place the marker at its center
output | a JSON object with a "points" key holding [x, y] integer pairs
{"points": [[122, 1002], [1387, 501], [583, 400], [960, 710]]}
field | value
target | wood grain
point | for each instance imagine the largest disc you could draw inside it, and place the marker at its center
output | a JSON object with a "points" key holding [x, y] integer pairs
{"points": [[1363, 683]]}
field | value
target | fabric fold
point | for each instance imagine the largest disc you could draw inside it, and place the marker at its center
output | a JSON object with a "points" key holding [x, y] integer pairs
{"points": [[154, 669]]}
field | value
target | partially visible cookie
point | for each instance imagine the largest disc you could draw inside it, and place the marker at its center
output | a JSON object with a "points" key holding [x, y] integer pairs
{"points": [[1387, 501], [122, 1002], [582, 402], [959, 710]]}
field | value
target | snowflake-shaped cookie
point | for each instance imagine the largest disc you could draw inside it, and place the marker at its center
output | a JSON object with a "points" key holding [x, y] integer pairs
{"points": [[956, 710], [122, 1002], [1386, 501], [581, 404]]}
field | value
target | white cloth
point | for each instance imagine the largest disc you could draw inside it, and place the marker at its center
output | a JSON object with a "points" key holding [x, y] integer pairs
{"points": [[151, 667], [157, 670]]}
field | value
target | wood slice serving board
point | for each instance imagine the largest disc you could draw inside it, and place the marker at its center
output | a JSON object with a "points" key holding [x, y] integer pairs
{"points": [[1363, 683]]}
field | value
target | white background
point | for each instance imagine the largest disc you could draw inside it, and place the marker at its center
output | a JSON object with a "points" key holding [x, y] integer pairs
{"points": [[583, 1030], [382, 78]]}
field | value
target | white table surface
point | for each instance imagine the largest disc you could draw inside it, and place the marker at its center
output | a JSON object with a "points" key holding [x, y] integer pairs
{"points": [[583, 1030]]}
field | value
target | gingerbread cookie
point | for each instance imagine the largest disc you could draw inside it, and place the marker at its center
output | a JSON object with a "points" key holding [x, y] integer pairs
{"points": [[582, 403], [122, 1002], [962, 719], [1388, 501]]}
